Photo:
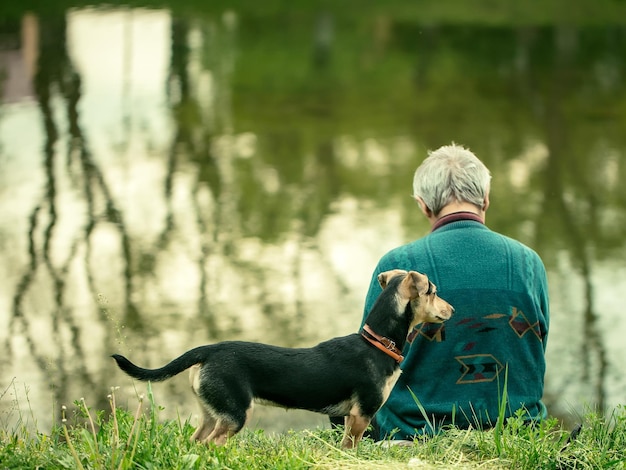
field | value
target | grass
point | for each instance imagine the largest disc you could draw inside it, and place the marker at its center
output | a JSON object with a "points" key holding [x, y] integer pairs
{"points": [[121, 439]]}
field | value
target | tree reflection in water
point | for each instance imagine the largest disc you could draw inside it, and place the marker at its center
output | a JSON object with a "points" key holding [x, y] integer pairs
{"points": [[284, 173]]}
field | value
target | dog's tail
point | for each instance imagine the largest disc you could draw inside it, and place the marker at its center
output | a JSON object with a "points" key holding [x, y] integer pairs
{"points": [[181, 363]]}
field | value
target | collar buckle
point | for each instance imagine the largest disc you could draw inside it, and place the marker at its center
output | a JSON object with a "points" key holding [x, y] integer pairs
{"points": [[383, 343]]}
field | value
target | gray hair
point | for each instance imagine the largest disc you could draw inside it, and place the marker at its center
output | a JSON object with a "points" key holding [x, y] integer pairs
{"points": [[451, 173]]}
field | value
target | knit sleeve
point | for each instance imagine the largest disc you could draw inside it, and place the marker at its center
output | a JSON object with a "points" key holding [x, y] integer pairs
{"points": [[372, 293], [543, 300]]}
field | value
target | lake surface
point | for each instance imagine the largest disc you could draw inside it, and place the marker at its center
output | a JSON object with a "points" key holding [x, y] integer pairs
{"points": [[177, 175]]}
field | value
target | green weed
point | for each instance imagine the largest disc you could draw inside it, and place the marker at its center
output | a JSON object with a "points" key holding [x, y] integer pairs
{"points": [[121, 439]]}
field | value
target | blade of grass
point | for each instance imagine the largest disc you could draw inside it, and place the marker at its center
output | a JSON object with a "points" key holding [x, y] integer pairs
{"points": [[431, 424], [502, 404]]}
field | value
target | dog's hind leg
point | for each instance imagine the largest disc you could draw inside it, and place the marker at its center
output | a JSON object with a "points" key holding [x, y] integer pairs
{"points": [[206, 425], [356, 424], [228, 426], [224, 428], [207, 421]]}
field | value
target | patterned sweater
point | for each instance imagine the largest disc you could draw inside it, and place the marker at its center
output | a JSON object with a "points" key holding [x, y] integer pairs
{"points": [[457, 371]]}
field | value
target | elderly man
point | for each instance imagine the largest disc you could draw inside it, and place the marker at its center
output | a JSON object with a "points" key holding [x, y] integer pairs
{"points": [[493, 348]]}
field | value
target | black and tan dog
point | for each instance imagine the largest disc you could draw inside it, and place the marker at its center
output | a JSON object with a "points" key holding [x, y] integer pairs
{"points": [[350, 376]]}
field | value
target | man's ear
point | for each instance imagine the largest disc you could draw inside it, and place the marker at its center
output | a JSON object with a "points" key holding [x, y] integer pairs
{"points": [[423, 207], [486, 203]]}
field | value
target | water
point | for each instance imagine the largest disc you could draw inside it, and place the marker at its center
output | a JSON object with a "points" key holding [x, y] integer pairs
{"points": [[169, 179]]}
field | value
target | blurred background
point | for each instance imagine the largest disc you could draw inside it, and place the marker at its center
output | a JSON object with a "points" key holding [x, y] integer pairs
{"points": [[181, 172]]}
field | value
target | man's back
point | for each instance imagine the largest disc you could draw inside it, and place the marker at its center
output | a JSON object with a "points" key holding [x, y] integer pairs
{"points": [[457, 370]]}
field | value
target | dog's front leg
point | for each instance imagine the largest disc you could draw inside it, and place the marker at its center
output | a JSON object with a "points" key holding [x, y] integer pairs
{"points": [[355, 426]]}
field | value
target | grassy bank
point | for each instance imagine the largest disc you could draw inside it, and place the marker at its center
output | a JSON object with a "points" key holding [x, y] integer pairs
{"points": [[139, 439]]}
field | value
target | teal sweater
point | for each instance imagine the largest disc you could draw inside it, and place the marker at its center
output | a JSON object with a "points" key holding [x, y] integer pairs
{"points": [[457, 370]]}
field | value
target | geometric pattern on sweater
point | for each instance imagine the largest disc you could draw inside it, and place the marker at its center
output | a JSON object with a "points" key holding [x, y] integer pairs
{"points": [[432, 331], [479, 325], [520, 324], [478, 368]]}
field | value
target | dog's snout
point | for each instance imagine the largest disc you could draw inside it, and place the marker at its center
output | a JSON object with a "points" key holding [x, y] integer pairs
{"points": [[446, 312]]}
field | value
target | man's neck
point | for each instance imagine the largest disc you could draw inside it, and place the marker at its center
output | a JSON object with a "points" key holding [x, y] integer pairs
{"points": [[456, 207]]}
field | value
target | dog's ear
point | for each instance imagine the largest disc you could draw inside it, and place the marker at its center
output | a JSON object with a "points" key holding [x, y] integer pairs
{"points": [[383, 278], [416, 283]]}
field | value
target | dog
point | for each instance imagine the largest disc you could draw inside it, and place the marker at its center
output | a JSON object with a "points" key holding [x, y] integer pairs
{"points": [[349, 376]]}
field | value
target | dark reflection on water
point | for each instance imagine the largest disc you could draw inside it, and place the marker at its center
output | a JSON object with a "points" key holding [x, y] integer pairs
{"points": [[170, 180]]}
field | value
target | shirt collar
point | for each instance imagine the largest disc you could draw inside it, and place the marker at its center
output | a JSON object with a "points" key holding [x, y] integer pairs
{"points": [[456, 216]]}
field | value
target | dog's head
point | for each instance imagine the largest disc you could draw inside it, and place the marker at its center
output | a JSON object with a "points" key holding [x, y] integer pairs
{"points": [[415, 288]]}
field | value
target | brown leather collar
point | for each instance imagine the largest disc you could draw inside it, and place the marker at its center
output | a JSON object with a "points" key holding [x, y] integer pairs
{"points": [[381, 342]]}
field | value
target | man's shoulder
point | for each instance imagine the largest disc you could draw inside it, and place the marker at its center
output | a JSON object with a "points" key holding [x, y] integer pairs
{"points": [[519, 250], [516, 244], [401, 252]]}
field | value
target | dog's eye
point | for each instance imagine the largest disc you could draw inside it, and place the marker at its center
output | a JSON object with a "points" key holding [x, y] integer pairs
{"points": [[431, 289]]}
